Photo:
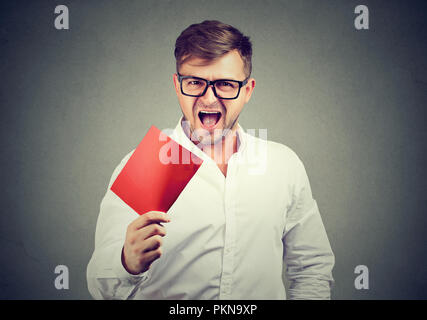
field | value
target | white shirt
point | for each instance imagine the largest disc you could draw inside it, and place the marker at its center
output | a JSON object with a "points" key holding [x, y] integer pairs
{"points": [[229, 237]]}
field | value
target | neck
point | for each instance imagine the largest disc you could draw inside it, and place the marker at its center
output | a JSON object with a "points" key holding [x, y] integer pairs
{"points": [[221, 151]]}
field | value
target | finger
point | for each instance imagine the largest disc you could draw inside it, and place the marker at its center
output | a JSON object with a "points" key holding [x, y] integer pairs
{"points": [[149, 218], [151, 230], [152, 243], [152, 255]]}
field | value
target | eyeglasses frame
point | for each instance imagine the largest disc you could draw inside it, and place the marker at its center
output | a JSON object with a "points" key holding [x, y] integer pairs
{"points": [[211, 83]]}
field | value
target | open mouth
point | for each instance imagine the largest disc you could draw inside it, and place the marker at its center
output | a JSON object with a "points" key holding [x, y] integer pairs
{"points": [[209, 119]]}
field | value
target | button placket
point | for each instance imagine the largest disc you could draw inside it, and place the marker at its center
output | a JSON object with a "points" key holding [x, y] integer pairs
{"points": [[228, 256]]}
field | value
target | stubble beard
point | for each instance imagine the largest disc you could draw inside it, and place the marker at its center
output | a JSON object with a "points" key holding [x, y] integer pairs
{"points": [[203, 137]]}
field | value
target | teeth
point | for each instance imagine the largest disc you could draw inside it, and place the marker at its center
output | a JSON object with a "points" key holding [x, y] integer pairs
{"points": [[210, 112]]}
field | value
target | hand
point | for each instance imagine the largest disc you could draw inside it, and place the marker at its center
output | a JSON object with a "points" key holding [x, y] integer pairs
{"points": [[143, 241]]}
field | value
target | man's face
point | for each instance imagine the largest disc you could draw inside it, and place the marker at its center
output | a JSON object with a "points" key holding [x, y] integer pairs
{"points": [[209, 117]]}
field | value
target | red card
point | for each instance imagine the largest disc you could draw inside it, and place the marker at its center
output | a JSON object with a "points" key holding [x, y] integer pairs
{"points": [[156, 173]]}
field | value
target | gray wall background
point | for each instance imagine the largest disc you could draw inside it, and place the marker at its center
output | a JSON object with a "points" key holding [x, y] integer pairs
{"points": [[350, 103]]}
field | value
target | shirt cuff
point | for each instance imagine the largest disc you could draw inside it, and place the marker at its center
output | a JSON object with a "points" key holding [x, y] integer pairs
{"points": [[122, 273]]}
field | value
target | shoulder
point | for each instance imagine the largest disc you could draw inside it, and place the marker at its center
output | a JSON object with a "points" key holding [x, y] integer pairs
{"points": [[283, 151], [277, 153], [126, 157], [119, 167]]}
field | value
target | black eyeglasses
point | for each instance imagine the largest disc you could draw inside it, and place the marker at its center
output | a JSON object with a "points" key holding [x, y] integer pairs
{"points": [[222, 88]]}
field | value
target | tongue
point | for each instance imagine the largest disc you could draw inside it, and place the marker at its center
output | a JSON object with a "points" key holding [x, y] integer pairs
{"points": [[209, 119]]}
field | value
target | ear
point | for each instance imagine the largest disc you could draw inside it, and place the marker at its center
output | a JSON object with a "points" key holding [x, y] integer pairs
{"points": [[176, 84], [249, 88]]}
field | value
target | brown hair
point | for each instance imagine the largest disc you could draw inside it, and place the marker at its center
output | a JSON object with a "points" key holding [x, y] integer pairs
{"points": [[210, 40]]}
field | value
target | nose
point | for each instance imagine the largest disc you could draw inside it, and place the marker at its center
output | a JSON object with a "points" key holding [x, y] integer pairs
{"points": [[209, 96]]}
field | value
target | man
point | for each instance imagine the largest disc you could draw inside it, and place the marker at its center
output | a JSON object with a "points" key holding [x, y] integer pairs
{"points": [[236, 228]]}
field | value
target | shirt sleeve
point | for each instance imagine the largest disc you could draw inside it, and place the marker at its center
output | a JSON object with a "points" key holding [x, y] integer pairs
{"points": [[308, 257], [106, 276]]}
